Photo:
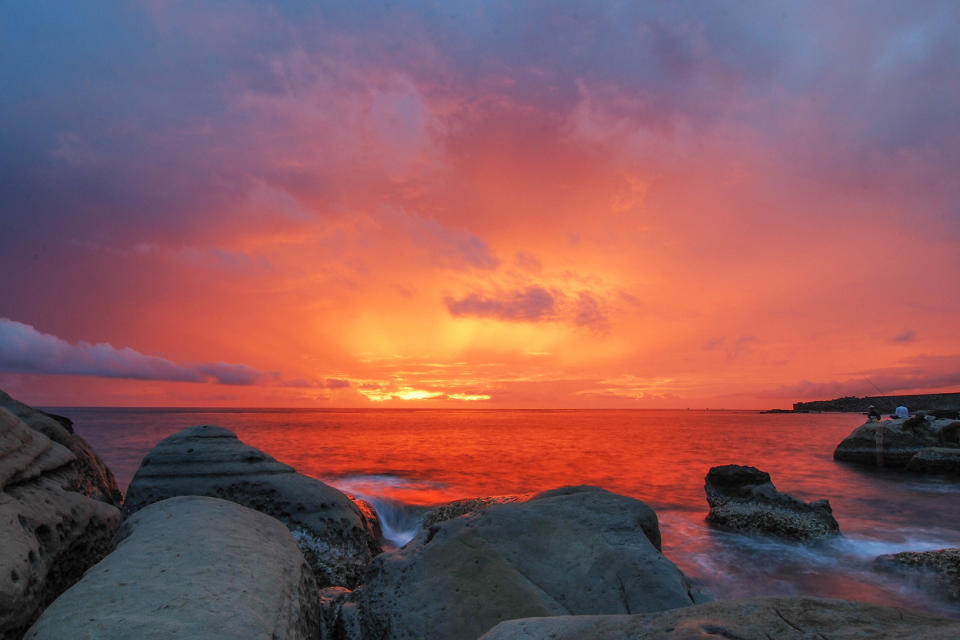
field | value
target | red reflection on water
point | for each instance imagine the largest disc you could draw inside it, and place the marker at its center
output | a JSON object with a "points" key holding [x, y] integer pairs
{"points": [[661, 457]]}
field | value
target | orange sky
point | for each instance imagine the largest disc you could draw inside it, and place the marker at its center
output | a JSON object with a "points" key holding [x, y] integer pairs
{"points": [[502, 207]]}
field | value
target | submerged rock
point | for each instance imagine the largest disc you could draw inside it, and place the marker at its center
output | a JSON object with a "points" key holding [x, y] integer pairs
{"points": [[338, 537], [93, 477], [576, 550], [191, 567], [750, 619], [893, 443], [942, 565], [744, 499], [49, 533], [941, 460]]}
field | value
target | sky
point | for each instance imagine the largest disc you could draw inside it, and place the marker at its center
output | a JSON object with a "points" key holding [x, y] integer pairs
{"points": [[478, 204]]}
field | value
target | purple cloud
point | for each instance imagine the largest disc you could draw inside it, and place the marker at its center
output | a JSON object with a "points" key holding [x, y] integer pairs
{"points": [[921, 372], [23, 349], [523, 305], [329, 383], [907, 336], [588, 313]]}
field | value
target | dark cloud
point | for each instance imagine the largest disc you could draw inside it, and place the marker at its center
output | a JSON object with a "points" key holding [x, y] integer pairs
{"points": [[533, 304], [23, 349], [329, 383], [713, 343], [907, 336], [525, 305], [587, 313]]}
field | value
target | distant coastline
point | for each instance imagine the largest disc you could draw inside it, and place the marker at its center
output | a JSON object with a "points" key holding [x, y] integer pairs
{"points": [[885, 404]]}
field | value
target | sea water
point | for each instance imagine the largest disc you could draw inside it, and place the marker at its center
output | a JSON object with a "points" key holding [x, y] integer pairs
{"points": [[404, 460]]}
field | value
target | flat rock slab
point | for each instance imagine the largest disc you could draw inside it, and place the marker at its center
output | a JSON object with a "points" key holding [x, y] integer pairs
{"points": [[49, 532], [752, 619], [338, 536], [744, 499], [579, 550], [191, 567]]}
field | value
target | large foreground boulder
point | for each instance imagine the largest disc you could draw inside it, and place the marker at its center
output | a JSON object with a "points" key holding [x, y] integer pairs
{"points": [[752, 619], [744, 499], [338, 536], [576, 550], [93, 477], [943, 566], [49, 533], [892, 443], [191, 567]]}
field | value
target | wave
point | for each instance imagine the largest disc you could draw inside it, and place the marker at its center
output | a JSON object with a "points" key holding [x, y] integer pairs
{"points": [[399, 521]]}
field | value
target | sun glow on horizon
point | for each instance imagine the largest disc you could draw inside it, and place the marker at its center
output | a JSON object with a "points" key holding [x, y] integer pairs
{"points": [[446, 214]]}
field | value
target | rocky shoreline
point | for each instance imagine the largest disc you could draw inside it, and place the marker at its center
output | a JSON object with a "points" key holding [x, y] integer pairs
{"points": [[920, 444], [217, 539]]}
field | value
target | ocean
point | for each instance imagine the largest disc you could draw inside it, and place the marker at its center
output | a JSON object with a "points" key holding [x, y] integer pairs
{"points": [[402, 460]]}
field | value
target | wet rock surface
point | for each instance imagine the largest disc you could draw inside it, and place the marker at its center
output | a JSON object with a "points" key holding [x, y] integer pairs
{"points": [[744, 499], [936, 460], [338, 537], [191, 567], [450, 510], [576, 550], [940, 569], [893, 443], [751, 619], [49, 532]]}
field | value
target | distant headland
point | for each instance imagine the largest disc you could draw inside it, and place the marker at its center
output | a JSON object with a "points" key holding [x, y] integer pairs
{"points": [[885, 404]]}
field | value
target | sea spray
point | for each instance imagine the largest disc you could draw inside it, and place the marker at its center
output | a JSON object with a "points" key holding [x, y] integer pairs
{"points": [[399, 522]]}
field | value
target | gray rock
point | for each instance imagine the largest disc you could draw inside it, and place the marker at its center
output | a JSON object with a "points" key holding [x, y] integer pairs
{"points": [[191, 567], [744, 499], [49, 533], [93, 477], [576, 550], [751, 619], [941, 460], [450, 510], [942, 565], [338, 537], [891, 443]]}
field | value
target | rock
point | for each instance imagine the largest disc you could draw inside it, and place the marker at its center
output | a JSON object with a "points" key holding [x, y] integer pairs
{"points": [[576, 550], [450, 510], [191, 567], [942, 460], [744, 499], [338, 537], [750, 619], [949, 435], [891, 443], [93, 478], [942, 565], [49, 533]]}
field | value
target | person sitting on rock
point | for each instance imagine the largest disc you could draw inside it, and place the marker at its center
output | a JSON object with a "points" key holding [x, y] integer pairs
{"points": [[872, 414]]}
